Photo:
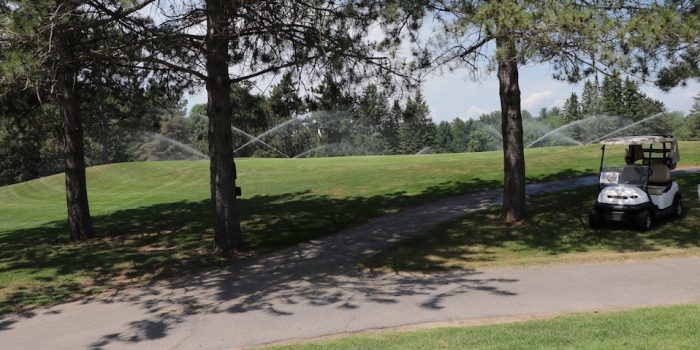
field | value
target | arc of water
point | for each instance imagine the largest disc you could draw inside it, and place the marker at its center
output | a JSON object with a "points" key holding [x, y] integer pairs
{"points": [[629, 126], [493, 131], [268, 132], [315, 149], [188, 149], [257, 140], [570, 140], [557, 131]]}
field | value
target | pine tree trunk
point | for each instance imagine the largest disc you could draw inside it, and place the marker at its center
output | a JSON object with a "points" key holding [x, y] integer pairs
{"points": [[227, 229], [512, 131], [79, 221], [104, 134]]}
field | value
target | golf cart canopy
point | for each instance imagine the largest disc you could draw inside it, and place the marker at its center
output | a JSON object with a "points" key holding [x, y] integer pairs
{"points": [[639, 140], [668, 148]]}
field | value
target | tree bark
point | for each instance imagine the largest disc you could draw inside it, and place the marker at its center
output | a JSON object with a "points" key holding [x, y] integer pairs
{"points": [[512, 131], [79, 220], [227, 228], [104, 133]]}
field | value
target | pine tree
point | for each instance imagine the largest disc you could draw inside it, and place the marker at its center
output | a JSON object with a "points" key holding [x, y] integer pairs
{"points": [[612, 101], [284, 101], [590, 99], [390, 126], [334, 105], [443, 137], [55, 48], [632, 101], [566, 34], [694, 118], [417, 131], [371, 110], [572, 109], [461, 132]]}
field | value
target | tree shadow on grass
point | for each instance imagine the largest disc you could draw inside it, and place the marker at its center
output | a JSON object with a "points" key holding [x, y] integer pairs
{"points": [[558, 225], [174, 238]]}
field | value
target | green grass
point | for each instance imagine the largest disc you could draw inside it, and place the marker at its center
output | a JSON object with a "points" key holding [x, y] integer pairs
{"points": [[153, 219], [651, 328], [557, 232]]}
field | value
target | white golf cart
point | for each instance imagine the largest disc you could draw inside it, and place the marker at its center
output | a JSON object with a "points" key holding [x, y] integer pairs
{"points": [[641, 190]]}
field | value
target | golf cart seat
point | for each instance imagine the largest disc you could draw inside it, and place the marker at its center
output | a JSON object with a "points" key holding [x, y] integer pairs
{"points": [[660, 179]]}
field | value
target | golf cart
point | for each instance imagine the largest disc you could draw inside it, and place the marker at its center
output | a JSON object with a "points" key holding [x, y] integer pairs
{"points": [[640, 190]]}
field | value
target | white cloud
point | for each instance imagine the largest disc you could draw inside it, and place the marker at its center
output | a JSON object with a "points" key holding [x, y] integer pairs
{"points": [[532, 99], [558, 103], [474, 112]]}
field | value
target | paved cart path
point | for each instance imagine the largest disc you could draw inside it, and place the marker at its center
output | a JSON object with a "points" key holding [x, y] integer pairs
{"points": [[315, 289]]}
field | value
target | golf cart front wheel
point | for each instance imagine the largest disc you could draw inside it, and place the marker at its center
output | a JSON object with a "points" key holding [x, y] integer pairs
{"points": [[678, 207], [595, 219], [642, 221]]}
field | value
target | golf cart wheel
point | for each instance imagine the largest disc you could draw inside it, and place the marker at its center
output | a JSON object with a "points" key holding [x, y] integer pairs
{"points": [[678, 206], [595, 219], [642, 221]]}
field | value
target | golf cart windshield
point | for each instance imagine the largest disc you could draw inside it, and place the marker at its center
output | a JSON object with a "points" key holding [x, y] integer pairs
{"points": [[636, 175]]}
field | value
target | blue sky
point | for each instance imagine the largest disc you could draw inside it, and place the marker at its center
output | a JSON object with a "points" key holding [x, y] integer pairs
{"points": [[455, 95]]}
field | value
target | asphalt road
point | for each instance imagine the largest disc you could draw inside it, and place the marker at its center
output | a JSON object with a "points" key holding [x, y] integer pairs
{"points": [[315, 289]]}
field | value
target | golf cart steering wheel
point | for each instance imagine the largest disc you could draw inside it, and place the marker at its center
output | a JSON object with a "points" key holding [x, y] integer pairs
{"points": [[650, 171]]}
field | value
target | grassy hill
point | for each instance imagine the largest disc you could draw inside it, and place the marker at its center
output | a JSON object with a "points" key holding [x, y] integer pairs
{"points": [[152, 218]]}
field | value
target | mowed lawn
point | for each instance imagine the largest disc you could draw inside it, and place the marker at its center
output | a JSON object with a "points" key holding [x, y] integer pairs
{"points": [[152, 218], [674, 327], [557, 232]]}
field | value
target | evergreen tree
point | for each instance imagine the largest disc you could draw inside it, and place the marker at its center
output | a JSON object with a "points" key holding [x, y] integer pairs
{"points": [[260, 38], [632, 101], [370, 112], [590, 99], [53, 48], [284, 101], [694, 118], [372, 109], [572, 109], [329, 96], [284, 104], [443, 137], [461, 132], [390, 127], [417, 131], [563, 33], [611, 96]]}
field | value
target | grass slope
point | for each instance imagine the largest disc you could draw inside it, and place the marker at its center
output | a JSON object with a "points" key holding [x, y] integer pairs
{"points": [[651, 328], [153, 218], [557, 232]]}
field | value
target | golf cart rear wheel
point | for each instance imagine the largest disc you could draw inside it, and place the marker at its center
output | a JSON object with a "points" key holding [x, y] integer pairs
{"points": [[678, 206], [642, 221], [595, 219]]}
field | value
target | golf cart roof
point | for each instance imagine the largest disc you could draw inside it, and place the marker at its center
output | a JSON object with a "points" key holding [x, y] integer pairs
{"points": [[670, 155], [638, 140]]}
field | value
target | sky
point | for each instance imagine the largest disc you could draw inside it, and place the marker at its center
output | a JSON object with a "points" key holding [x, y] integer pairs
{"points": [[454, 95]]}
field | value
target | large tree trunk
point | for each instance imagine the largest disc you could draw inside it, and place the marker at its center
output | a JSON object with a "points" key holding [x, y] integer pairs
{"points": [[512, 131], [79, 221], [227, 228]]}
